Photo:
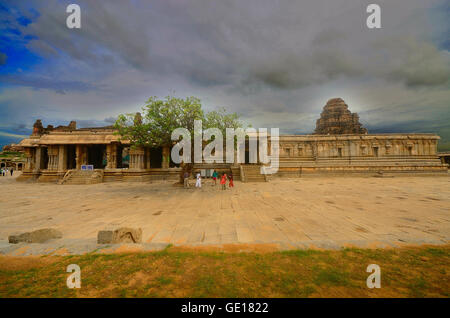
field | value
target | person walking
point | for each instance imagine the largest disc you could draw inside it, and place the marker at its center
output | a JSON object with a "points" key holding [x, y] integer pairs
{"points": [[214, 176], [198, 183], [230, 178], [12, 170], [186, 180], [223, 181]]}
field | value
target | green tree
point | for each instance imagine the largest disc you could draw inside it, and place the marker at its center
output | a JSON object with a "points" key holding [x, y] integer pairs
{"points": [[161, 116], [221, 119]]}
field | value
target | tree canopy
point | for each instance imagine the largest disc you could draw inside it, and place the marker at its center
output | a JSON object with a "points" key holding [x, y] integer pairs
{"points": [[161, 116]]}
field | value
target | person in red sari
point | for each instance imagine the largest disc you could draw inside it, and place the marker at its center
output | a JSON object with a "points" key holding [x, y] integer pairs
{"points": [[223, 181], [230, 178]]}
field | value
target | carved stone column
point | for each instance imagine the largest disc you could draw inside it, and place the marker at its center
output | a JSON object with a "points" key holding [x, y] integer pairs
{"points": [[81, 156], [433, 150], [147, 158], [388, 147], [111, 156], [38, 159], [52, 158], [62, 158], [30, 158], [165, 157], [137, 158]]}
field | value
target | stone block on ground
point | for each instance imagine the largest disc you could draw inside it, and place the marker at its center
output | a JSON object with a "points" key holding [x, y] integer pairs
{"points": [[120, 235], [105, 237], [38, 236]]}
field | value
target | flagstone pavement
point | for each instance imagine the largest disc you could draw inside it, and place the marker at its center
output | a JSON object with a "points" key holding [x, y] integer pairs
{"points": [[322, 212]]}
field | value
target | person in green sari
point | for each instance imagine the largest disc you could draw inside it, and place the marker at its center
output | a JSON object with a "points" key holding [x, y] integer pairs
{"points": [[214, 176]]}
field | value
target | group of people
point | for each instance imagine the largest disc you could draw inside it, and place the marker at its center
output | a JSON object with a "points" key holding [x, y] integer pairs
{"points": [[223, 179], [215, 176], [4, 172]]}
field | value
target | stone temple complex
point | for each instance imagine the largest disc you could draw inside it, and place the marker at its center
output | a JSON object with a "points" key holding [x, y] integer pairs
{"points": [[339, 145]]}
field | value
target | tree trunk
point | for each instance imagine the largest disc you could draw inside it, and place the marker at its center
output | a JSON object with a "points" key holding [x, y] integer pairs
{"points": [[185, 167]]}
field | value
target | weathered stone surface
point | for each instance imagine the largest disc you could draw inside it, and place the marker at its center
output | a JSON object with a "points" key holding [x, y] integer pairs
{"points": [[120, 235], [38, 236], [128, 235], [337, 119], [105, 237], [13, 147], [340, 145]]}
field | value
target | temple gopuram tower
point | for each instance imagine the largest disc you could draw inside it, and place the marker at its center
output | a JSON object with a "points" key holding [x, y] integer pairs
{"points": [[336, 119]]}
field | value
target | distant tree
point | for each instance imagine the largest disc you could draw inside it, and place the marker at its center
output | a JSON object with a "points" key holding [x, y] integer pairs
{"points": [[153, 128]]}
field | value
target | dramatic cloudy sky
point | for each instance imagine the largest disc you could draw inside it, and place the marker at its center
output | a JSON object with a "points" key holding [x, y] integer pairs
{"points": [[276, 62]]}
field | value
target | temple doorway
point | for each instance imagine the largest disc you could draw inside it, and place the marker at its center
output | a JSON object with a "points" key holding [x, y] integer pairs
{"points": [[156, 157], [119, 156], [97, 156], [71, 157], [44, 158]]}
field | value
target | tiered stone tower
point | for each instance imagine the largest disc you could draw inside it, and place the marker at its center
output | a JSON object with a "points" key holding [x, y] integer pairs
{"points": [[336, 119]]}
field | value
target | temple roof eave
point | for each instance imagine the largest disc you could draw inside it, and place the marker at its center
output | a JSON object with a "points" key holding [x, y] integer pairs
{"points": [[105, 139], [381, 136], [72, 140]]}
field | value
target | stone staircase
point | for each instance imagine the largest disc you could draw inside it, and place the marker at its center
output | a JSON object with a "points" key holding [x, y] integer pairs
{"points": [[82, 177], [252, 173], [236, 171]]}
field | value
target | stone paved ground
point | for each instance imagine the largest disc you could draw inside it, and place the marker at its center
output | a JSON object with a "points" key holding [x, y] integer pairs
{"points": [[326, 212]]}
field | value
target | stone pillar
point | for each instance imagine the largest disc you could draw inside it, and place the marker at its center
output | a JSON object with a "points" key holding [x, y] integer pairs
{"points": [[81, 156], [165, 157], [388, 148], [30, 158], [38, 159], [147, 158], [78, 157], [62, 158], [52, 158], [137, 158], [433, 150], [426, 148], [111, 156]]}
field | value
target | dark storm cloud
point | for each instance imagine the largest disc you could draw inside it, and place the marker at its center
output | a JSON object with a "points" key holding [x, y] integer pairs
{"points": [[107, 32], [274, 62], [283, 45], [47, 83], [88, 123], [422, 63], [110, 120], [290, 71]]}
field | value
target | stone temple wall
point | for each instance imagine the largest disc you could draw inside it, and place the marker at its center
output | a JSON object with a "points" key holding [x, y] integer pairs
{"points": [[346, 154], [340, 145]]}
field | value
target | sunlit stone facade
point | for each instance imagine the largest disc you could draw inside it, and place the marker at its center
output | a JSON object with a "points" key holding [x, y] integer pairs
{"points": [[53, 152]]}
